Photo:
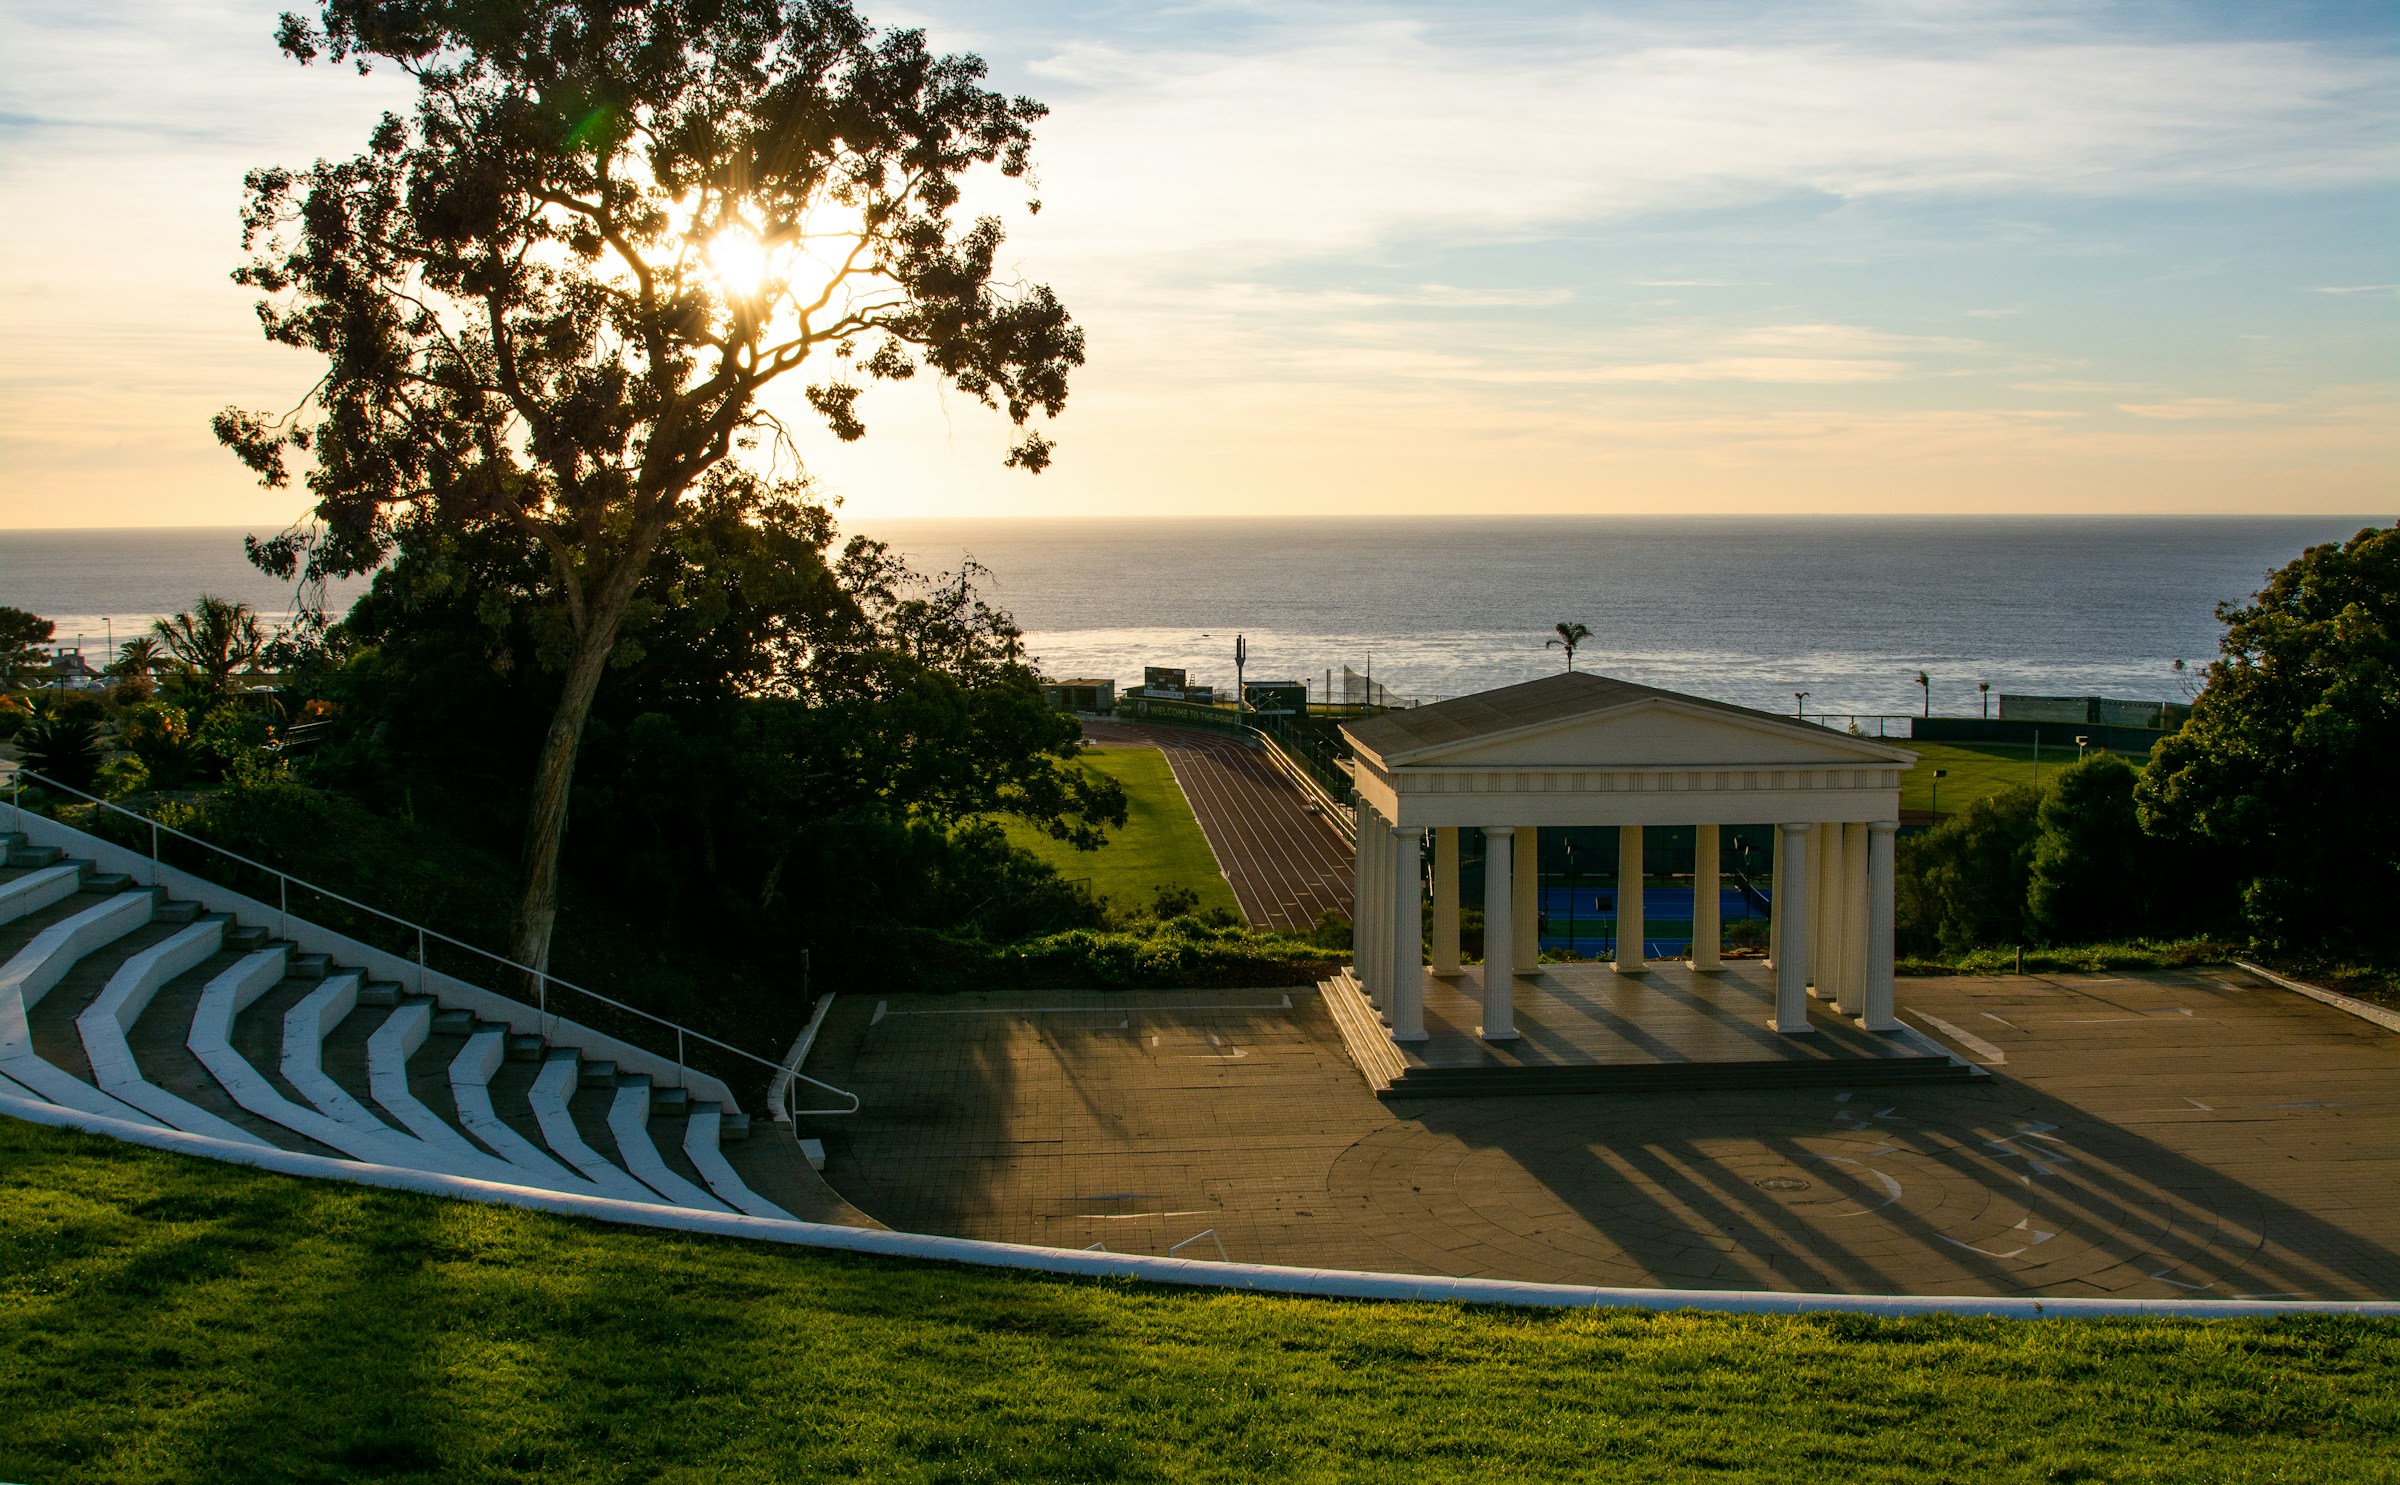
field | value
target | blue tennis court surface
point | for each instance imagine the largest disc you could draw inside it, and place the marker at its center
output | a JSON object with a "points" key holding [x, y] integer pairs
{"points": [[1583, 920]]}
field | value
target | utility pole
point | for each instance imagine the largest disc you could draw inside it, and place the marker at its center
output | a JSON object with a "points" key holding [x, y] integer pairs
{"points": [[1241, 698]]}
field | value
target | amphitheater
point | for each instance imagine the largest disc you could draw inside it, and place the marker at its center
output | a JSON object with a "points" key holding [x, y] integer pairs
{"points": [[162, 1008]]}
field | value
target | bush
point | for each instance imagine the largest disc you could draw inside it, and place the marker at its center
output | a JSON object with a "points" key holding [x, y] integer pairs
{"points": [[1963, 883], [64, 748], [2088, 879]]}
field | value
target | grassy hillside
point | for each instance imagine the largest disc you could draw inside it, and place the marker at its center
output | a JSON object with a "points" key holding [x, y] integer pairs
{"points": [[1161, 845], [168, 1319]]}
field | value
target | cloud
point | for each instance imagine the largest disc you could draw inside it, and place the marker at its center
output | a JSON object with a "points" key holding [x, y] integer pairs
{"points": [[2185, 409], [2360, 289]]}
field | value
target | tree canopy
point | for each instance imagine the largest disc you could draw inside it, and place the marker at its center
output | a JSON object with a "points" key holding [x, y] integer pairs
{"points": [[550, 301], [2286, 764]]}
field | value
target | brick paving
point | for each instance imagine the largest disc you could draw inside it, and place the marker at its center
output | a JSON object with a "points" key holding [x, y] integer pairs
{"points": [[1288, 867], [2194, 1134]]}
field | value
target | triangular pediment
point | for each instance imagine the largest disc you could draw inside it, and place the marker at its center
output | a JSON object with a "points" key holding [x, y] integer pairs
{"points": [[1583, 721]]}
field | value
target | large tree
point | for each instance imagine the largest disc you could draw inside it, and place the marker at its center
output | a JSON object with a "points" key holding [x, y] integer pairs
{"points": [[2286, 763], [553, 297]]}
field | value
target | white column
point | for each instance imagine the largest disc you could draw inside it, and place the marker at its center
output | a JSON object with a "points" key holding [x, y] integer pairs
{"points": [[1375, 841], [1706, 902], [1362, 904], [1408, 936], [1881, 874], [1525, 902], [1630, 927], [1775, 912], [1852, 977], [1445, 900], [1824, 847], [1791, 912], [1499, 963]]}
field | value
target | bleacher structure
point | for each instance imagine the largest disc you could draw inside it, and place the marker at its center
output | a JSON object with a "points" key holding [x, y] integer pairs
{"points": [[132, 991]]}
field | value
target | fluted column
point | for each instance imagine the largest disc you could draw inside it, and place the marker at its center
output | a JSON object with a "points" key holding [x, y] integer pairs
{"points": [[1792, 913], [1374, 936], [1445, 900], [1499, 958], [1408, 936], [1824, 850], [1630, 929], [1852, 977], [1775, 912], [1707, 930], [1881, 875], [1525, 903], [1362, 903]]}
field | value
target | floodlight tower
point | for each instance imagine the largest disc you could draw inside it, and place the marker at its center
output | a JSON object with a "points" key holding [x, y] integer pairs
{"points": [[1241, 698]]}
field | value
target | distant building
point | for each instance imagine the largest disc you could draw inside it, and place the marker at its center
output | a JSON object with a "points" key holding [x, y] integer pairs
{"points": [[1080, 695], [2098, 711], [69, 671]]}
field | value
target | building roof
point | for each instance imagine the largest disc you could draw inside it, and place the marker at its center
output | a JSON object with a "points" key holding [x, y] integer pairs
{"points": [[1398, 736]]}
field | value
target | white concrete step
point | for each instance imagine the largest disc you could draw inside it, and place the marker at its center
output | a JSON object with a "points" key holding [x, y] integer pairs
{"points": [[226, 997], [629, 1121], [305, 1027], [28, 976], [471, 1088], [106, 1022], [36, 890], [388, 1051], [701, 1149], [549, 1096]]}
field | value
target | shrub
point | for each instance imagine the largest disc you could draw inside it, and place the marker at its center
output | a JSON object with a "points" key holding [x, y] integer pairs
{"points": [[63, 748], [2088, 879]]}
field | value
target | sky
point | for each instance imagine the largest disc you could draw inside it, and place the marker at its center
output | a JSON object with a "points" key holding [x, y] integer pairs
{"points": [[1378, 258]]}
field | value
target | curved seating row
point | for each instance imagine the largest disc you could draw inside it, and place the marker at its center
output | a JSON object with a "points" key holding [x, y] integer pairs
{"points": [[128, 1039]]}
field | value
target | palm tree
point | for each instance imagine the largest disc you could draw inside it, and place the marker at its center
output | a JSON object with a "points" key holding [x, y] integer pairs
{"points": [[139, 655], [1926, 681], [1569, 636], [217, 638]]}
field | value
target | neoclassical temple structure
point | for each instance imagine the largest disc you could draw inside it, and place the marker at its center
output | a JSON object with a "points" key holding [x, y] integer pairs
{"points": [[1585, 750]]}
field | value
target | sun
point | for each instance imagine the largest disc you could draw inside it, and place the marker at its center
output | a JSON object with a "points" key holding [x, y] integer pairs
{"points": [[742, 264]]}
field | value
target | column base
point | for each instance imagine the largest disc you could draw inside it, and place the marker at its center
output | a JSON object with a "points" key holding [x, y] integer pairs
{"points": [[1419, 1037], [1530, 972], [1865, 1024], [1696, 967], [1639, 967], [1815, 994], [1440, 973], [1496, 1036], [1803, 1029]]}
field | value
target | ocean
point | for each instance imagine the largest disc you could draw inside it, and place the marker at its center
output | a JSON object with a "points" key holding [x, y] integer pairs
{"points": [[1748, 610]]}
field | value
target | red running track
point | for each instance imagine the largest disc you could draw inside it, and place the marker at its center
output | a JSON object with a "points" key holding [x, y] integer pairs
{"points": [[1287, 865]]}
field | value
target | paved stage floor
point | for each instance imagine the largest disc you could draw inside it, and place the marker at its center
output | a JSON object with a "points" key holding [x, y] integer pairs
{"points": [[1578, 1014], [2187, 1134]]}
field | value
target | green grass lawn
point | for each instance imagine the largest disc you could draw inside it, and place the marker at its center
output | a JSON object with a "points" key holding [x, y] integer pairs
{"points": [[1160, 844], [170, 1319], [1976, 770]]}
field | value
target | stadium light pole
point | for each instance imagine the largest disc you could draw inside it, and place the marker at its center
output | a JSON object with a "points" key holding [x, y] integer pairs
{"points": [[1986, 688]]}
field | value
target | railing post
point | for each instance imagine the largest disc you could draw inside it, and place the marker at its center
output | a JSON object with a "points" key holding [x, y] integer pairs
{"points": [[154, 876], [283, 906], [420, 960], [679, 1057]]}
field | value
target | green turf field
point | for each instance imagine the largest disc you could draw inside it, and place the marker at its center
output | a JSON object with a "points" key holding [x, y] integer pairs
{"points": [[1160, 844], [166, 1319], [1976, 770]]}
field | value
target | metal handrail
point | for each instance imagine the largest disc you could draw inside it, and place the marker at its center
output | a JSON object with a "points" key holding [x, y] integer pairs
{"points": [[543, 979]]}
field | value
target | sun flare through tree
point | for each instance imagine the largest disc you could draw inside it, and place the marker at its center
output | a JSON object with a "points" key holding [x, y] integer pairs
{"points": [[552, 298]]}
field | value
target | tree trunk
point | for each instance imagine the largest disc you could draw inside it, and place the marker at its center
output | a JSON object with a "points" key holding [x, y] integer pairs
{"points": [[554, 774]]}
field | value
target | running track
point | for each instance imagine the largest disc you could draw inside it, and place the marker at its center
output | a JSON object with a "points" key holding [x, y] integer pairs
{"points": [[1287, 866]]}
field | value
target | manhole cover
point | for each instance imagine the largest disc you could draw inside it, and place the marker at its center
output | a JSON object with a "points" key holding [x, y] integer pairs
{"points": [[1780, 1183]]}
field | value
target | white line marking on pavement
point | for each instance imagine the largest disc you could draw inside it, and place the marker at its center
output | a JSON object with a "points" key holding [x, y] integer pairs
{"points": [[1964, 1038]]}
